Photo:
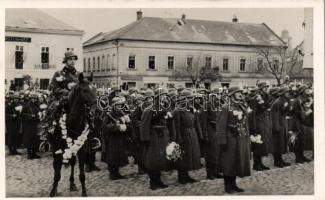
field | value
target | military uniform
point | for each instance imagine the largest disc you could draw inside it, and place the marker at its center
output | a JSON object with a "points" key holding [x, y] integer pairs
{"points": [[115, 141], [13, 123], [31, 120], [279, 113], [235, 150]]}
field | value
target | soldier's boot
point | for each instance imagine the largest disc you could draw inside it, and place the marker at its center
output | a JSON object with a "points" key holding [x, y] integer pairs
{"points": [[303, 157], [119, 176], [15, 151], [257, 163], [227, 185], [189, 179], [262, 165], [234, 185], [277, 160], [298, 158], [181, 177], [285, 164], [153, 181], [88, 168], [210, 170], [159, 182]]}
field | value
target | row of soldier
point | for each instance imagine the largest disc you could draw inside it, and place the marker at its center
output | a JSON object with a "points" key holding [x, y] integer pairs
{"points": [[259, 120]]}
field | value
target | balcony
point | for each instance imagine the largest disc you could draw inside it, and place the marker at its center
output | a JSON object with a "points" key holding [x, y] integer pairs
{"points": [[44, 66]]}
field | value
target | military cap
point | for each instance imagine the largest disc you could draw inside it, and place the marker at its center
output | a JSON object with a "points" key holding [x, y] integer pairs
{"points": [[68, 55], [118, 100], [283, 90], [262, 85], [233, 90], [160, 91]]}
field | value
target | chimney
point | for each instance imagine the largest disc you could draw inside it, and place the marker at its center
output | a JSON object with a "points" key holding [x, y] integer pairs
{"points": [[183, 17], [139, 14], [234, 18]]}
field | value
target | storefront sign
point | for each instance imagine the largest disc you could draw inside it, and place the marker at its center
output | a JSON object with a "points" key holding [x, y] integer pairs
{"points": [[18, 39]]}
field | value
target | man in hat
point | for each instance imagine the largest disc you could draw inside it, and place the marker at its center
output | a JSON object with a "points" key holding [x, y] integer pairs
{"points": [[116, 131], [232, 127], [31, 119], [188, 134], [298, 119], [280, 110], [155, 133], [13, 123], [65, 79], [260, 126]]}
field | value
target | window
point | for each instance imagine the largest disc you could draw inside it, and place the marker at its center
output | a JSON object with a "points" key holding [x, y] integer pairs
{"points": [[242, 65], [45, 56], [131, 84], [259, 65], [225, 64], [189, 62], [94, 64], [70, 49], [151, 64], [276, 65], [103, 61], [19, 60], [225, 85], [151, 85], [44, 83], [19, 82], [98, 63], [170, 62], [89, 65], [108, 63], [113, 62], [188, 85], [132, 62], [208, 62], [85, 68]]}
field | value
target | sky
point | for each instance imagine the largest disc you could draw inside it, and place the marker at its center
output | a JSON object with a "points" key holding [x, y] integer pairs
{"points": [[95, 20]]}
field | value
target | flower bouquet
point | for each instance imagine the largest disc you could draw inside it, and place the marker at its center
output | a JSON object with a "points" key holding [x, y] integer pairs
{"points": [[173, 151], [256, 139], [18, 108], [238, 114]]}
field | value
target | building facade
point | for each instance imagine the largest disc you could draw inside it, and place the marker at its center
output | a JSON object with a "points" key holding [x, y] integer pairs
{"points": [[157, 51], [35, 44]]}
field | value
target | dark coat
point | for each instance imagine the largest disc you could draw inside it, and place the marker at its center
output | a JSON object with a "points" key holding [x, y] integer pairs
{"points": [[235, 154], [115, 141], [60, 88], [188, 132], [13, 123], [279, 115], [30, 120], [260, 124], [155, 134]]}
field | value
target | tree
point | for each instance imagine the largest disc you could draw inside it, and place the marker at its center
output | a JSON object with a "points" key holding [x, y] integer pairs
{"points": [[196, 71], [275, 58], [295, 62]]}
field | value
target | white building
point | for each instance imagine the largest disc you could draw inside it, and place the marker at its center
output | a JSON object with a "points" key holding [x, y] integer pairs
{"points": [[35, 44], [150, 50]]}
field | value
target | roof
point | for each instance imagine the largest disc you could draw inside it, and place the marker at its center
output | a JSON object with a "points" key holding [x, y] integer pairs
{"points": [[34, 20], [192, 31]]}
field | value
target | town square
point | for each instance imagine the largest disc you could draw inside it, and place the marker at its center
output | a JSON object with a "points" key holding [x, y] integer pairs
{"points": [[121, 102]]}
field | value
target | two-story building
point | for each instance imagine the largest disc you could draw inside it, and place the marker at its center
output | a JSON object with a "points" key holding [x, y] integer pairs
{"points": [[35, 43], [153, 51]]}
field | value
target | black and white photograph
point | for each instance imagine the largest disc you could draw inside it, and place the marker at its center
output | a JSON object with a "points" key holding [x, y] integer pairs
{"points": [[162, 101]]}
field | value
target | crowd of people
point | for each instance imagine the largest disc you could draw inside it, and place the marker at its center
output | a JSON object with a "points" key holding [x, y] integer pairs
{"points": [[227, 127]]}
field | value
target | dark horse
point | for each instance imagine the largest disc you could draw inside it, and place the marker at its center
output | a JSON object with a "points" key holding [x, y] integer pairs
{"points": [[81, 98]]}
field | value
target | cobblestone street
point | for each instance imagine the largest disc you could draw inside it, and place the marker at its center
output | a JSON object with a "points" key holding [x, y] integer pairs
{"points": [[33, 178]]}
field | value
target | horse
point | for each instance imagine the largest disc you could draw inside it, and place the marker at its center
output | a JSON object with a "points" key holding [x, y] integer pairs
{"points": [[81, 97]]}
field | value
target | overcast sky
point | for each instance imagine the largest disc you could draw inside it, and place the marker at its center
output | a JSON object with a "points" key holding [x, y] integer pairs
{"points": [[93, 21]]}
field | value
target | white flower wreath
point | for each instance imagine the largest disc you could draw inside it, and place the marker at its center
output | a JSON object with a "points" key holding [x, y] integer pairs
{"points": [[73, 145]]}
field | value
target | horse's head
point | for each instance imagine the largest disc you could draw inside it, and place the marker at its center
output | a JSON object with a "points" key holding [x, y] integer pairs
{"points": [[86, 90]]}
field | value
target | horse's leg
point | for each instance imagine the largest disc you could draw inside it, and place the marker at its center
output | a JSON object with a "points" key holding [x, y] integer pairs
{"points": [[72, 164], [82, 176], [57, 165]]}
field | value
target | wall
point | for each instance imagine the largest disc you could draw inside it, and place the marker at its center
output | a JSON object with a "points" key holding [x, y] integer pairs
{"points": [[32, 53], [161, 51]]}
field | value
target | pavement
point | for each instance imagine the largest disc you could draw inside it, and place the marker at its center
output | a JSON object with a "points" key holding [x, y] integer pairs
{"points": [[33, 178]]}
